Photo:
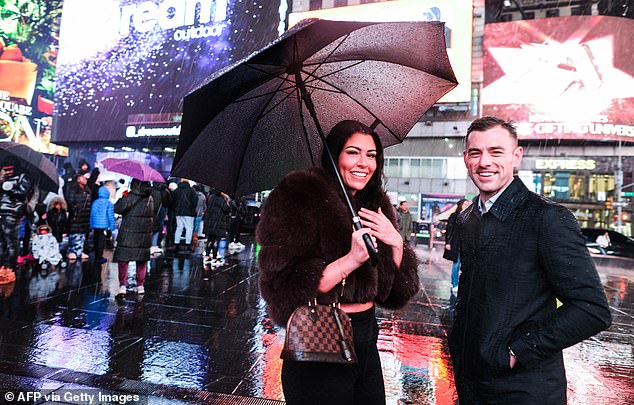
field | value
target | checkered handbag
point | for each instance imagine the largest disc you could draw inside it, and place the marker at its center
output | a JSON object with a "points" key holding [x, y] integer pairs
{"points": [[319, 333]]}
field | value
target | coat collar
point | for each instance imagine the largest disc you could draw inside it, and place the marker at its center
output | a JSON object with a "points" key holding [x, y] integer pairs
{"points": [[515, 193]]}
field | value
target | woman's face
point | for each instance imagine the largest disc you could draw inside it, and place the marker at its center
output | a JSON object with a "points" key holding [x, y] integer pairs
{"points": [[464, 205], [357, 161]]}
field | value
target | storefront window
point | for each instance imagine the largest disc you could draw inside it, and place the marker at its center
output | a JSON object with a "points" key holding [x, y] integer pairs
{"points": [[601, 186], [577, 187]]}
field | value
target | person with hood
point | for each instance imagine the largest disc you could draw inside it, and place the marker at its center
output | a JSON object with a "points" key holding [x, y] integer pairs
{"points": [[135, 233], [15, 189], [79, 205], [102, 222], [57, 217]]}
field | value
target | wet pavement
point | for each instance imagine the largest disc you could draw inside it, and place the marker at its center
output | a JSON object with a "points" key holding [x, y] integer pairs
{"points": [[202, 336]]}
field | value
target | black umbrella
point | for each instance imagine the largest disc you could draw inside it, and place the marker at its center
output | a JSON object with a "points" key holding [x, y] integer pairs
{"points": [[247, 126], [41, 170]]}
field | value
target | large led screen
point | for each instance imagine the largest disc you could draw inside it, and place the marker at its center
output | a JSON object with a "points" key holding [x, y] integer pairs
{"points": [[456, 14], [562, 78], [28, 52], [125, 65]]}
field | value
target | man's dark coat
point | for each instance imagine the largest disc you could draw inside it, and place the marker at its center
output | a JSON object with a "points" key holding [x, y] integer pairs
{"points": [[517, 259]]}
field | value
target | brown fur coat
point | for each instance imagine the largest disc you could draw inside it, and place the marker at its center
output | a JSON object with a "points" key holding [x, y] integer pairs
{"points": [[304, 226]]}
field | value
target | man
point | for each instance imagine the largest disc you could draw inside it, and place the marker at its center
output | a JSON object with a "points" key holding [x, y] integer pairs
{"points": [[79, 205], [185, 200], [404, 221], [520, 253], [15, 189]]}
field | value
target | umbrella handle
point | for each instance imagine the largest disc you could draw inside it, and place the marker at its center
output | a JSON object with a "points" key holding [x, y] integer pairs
{"points": [[374, 258]]}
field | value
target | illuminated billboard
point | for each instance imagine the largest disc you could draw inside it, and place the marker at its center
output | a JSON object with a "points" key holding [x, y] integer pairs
{"points": [[28, 53], [456, 14], [125, 65], [562, 78]]}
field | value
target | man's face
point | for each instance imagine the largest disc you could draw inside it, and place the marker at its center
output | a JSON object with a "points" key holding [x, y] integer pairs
{"points": [[82, 181], [490, 158]]}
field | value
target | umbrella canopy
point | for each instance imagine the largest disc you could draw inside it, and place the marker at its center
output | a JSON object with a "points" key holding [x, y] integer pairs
{"points": [[247, 126], [42, 171], [133, 169]]}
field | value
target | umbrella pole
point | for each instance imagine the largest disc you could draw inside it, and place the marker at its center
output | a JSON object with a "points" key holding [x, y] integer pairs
{"points": [[356, 221]]}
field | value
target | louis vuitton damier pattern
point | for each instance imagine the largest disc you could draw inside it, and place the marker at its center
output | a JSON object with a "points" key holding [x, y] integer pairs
{"points": [[313, 334]]}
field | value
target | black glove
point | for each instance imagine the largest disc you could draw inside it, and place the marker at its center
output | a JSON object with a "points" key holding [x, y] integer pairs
{"points": [[108, 233]]}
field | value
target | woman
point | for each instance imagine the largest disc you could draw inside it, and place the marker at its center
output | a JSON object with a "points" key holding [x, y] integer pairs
{"points": [[135, 233], [452, 243], [310, 250]]}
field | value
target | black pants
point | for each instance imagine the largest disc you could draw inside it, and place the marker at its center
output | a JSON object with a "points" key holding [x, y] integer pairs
{"points": [[9, 229], [346, 384], [99, 240], [212, 244], [234, 230]]}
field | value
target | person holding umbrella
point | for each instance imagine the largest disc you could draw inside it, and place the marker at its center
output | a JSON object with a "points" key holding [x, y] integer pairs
{"points": [[309, 250], [15, 188], [135, 233]]}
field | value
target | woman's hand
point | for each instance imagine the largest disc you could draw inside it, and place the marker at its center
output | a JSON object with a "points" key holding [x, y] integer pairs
{"points": [[358, 251], [381, 227]]}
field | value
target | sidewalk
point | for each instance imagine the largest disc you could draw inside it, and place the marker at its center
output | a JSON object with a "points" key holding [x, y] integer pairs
{"points": [[202, 336]]}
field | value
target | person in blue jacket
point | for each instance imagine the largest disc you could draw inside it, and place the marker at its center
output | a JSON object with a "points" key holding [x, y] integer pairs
{"points": [[101, 222]]}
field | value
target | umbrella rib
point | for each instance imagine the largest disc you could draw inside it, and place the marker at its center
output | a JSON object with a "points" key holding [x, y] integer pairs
{"points": [[325, 59], [301, 110], [255, 123], [356, 101]]}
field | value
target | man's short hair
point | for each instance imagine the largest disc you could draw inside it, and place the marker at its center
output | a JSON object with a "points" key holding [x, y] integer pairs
{"points": [[488, 122]]}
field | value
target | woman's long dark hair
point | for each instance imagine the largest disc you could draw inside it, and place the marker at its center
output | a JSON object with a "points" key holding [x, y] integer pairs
{"points": [[369, 196]]}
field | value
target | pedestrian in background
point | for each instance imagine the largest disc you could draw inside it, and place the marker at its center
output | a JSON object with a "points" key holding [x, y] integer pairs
{"points": [[102, 222], [15, 190], [135, 233], [185, 200], [452, 243], [201, 203], [57, 218], [158, 196], [310, 251], [520, 253], [235, 223], [404, 218], [79, 205], [215, 226]]}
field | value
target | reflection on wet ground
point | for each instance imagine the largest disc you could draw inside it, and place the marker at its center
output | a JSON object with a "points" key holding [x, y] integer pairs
{"points": [[202, 336]]}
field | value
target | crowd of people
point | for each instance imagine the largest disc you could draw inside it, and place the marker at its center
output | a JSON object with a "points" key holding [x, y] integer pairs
{"points": [[86, 215]]}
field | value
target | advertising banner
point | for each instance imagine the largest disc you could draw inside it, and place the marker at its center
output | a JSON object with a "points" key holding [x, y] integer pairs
{"points": [[125, 65], [456, 14], [28, 53], [562, 78]]}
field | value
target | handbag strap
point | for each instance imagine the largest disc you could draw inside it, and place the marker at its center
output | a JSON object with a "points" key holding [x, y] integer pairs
{"points": [[345, 346]]}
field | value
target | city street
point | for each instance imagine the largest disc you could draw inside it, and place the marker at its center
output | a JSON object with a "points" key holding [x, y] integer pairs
{"points": [[202, 336]]}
